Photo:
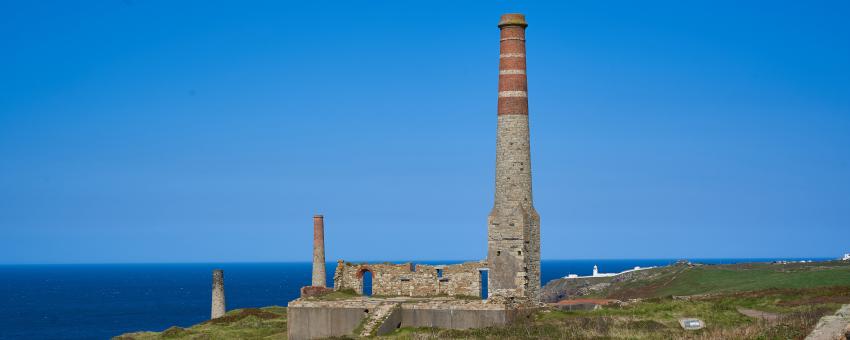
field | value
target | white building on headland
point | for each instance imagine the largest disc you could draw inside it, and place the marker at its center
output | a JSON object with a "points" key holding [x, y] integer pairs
{"points": [[846, 257], [596, 273]]}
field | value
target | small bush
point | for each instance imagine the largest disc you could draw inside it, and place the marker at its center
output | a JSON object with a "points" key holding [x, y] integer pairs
{"points": [[175, 332], [646, 325], [241, 314]]}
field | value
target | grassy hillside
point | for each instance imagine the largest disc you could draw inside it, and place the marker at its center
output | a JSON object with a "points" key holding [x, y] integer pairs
{"points": [[747, 301], [682, 279], [796, 311], [249, 323]]}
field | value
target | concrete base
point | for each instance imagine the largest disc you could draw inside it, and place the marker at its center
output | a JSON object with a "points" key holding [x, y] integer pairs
{"points": [[312, 291], [322, 322], [393, 322], [321, 319], [453, 317]]}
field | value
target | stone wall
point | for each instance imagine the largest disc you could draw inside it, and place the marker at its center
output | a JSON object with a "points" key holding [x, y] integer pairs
{"points": [[411, 279], [454, 317], [322, 319], [315, 321]]}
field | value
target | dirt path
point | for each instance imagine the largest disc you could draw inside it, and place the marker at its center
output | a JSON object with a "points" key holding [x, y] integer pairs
{"points": [[833, 327], [759, 314]]}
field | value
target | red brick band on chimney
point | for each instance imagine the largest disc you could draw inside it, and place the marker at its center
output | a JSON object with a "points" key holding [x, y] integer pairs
{"points": [[513, 85]]}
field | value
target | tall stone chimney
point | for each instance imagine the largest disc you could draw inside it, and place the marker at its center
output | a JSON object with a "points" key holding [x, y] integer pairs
{"points": [[217, 294], [513, 233], [319, 277]]}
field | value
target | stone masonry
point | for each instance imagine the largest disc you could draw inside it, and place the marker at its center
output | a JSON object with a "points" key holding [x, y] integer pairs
{"points": [[319, 275], [513, 234], [410, 295], [318, 319], [412, 280], [218, 308]]}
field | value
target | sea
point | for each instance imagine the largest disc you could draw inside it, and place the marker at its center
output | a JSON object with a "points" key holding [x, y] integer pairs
{"points": [[99, 301]]}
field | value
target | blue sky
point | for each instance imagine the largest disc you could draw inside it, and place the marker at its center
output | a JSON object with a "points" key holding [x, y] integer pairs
{"points": [[166, 131]]}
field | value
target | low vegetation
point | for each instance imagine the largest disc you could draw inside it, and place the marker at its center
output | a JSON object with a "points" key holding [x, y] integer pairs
{"points": [[686, 280], [798, 310], [248, 323], [335, 295], [748, 301], [693, 279]]}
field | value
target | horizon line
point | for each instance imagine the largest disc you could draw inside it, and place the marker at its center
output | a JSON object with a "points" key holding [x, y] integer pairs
{"points": [[414, 261]]}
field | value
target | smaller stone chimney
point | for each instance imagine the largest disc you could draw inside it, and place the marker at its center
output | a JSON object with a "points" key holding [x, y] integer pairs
{"points": [[319, 276], [218, 294]]}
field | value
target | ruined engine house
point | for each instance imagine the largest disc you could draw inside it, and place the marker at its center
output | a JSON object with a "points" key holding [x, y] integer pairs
{"points": [[415, 280], [511, 271], [487, 293]]}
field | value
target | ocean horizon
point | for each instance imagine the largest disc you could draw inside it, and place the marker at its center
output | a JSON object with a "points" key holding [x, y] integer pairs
{"points": [[97, 301]]}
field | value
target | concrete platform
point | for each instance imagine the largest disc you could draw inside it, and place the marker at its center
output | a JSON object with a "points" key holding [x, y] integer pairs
{"points": [[311, 319]]}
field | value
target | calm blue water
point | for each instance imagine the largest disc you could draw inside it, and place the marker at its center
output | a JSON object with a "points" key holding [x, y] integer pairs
{"points": [[100, 301]]}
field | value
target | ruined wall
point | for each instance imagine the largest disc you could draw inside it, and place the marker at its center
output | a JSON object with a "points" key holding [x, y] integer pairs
{"points": [[322, 319], [306, 322], [411, 280]]}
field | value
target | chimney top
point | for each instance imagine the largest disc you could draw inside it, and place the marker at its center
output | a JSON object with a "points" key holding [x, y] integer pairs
{"points": [[513, 19], [318, 216]]}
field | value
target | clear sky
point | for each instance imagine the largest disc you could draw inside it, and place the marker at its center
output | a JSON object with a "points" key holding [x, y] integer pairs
{"points": [[175, 131]]}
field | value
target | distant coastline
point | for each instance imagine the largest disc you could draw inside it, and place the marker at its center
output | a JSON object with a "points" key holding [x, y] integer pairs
{"points": [[69, 300]]}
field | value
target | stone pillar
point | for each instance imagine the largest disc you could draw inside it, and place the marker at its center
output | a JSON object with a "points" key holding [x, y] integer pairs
{"points": [[218, 294], [513, 234], [319, 276]]}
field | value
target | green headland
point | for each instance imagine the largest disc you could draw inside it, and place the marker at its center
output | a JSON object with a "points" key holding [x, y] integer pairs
{"points": [[743, 301]]}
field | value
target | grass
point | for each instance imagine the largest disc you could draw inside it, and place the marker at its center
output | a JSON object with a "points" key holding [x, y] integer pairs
{"points": [[683, 280], [654, 318], [799, 293], [248, 323], [341, 294], [657, 318], [725, 279]]}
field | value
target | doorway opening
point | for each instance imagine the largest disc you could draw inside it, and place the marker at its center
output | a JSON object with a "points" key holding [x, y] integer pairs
{"points": [[482, 274], [367, 283]]}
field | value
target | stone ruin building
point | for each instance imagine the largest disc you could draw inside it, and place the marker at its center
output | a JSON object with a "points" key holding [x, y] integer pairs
{"points": [[439, 295], [416, 280], [513, 231]]}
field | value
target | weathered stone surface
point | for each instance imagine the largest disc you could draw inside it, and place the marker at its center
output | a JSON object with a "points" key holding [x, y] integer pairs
{"points": [[376, 321], [691, 324], [317, 321], [424, 291], [312, 291], [319, 274], [513, 234], [391, 323], [311, 319], [218, 308], [833, 327], [412, 280]]}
